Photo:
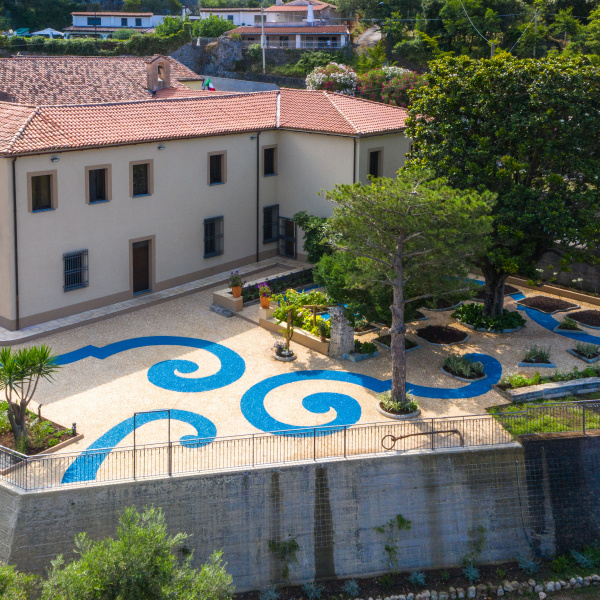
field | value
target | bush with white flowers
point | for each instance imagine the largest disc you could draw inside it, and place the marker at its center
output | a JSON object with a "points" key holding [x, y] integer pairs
{"points": [[333, 78]]}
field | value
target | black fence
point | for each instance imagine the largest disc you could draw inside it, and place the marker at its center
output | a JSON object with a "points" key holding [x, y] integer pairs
{"points": [[286, 447]]}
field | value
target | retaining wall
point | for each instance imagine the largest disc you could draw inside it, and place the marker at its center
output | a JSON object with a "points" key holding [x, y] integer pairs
{"points": [[330, 508]]}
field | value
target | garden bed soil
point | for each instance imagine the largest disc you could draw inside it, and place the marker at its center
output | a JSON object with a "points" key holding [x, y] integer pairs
{"points": [[443, 304], [396, 584], [587, 317], [546, 304], [463, 377], [7, 439], [414, 414], [588, 359], [560, 329], [508, 290], [442, 334], [386, 340]]}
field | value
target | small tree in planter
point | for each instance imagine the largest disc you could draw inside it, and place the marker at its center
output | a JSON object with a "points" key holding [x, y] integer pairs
{"points": [[283, 351], [20, 374], [235, 284]]}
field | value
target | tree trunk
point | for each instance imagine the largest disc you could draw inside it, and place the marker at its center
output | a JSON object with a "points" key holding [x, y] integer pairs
{"points": [[398, 331], [493, 305]]}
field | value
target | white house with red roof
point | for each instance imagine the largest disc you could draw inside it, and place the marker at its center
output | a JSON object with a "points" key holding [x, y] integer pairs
{"points": [[104, 198], [104, 24]]}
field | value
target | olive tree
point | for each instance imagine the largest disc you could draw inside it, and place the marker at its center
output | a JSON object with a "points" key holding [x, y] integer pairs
{"points": [[415, 234]]}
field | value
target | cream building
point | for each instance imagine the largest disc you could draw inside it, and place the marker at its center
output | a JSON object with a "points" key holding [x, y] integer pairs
{"points": [[100, 202]]}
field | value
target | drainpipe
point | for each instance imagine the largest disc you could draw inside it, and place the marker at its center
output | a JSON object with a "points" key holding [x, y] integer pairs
{"points": [[258, 196], [354, 163], [14, 182]]}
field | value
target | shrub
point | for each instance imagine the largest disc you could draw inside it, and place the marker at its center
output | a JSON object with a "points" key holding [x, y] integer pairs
{"points": [[254, 53], [370, 84], [312, 590], [269, 594], [561, 564], [333, 78], [211, 27], [365, 347], [400, 407], [351, 589], [569, 324], [398, 91], [585, 560], [463, 367], [123, 34], [39, 431], [4, 422], [417, 578], [587, 350], [471, 573], [528, 565], [472, 314], [537, 354]]}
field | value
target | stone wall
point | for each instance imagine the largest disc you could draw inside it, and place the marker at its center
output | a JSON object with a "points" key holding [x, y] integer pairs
{"points": [[589, 273], [331, 509]]}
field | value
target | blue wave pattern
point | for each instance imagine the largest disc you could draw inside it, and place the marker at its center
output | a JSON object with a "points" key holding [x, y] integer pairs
{"points": [[86, 465], [348, 409], [549, 322]]}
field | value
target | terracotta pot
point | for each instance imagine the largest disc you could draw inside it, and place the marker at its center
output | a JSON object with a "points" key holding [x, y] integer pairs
{"points": [[265, 302], [236, 290]]}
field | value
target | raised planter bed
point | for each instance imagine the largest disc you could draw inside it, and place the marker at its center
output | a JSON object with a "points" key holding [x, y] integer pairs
{"points": [[559, 329], [541, 365], [581, 357], [555, 389], [465, 379], [508, 290], [412, 415], [453, 307], [587, 318], [384, 341], [373, 327], [441, 335], [557, 291], [304, 338], [282, 358], [547, 305], [358, 356], [489, 330]]}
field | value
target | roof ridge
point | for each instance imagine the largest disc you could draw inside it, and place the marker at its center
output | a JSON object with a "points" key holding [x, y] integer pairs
{"points": [[165, 100], [22, 129], [344, 116]]}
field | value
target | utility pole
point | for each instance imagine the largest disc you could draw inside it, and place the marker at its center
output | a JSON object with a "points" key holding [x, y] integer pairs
{"points": [[493, 44], [96, 30], [535, 40], [262, 37]]}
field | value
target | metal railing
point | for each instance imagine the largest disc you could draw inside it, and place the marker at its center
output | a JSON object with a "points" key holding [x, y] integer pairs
{"points": [[303, 444]]}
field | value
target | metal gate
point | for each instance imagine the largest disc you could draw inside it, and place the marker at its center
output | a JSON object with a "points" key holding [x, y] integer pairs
{"points": [[287, 237]]}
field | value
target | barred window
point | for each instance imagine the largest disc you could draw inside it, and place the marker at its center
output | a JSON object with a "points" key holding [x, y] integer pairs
{"points": [[270, 223], [213, 237], [76, 270]]}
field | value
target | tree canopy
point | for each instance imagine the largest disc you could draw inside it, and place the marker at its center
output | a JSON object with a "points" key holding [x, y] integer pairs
{"points": [[528, 131], [414, 234]]}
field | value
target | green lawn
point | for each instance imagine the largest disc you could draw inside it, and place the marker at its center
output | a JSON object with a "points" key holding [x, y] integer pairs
{"points": [[547, 416]]}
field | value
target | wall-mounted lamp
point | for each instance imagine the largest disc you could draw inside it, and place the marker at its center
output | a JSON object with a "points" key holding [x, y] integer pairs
{"points": [[54, 159], [161, 147], [252, 137]]}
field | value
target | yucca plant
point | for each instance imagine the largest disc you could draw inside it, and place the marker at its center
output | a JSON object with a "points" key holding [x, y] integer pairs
{"points": [[20, 374]]}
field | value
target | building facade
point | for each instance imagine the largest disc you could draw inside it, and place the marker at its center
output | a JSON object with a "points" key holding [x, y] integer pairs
{"points": [[101, 202], [104, 24]]}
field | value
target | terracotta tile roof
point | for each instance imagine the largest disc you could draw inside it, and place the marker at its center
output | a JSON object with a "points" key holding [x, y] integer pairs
{"points": [[227, 10], [79, 79], [112, 14], [33, 130], [292, 28]]}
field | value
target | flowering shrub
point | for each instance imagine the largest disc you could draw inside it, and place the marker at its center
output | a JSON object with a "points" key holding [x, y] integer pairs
{"points": [[389, 84], [333, 78], [264, 291]]}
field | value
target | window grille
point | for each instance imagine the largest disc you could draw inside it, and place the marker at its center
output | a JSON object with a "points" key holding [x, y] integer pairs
{"points": [[270, 223], [213, 237], [76, 270]]}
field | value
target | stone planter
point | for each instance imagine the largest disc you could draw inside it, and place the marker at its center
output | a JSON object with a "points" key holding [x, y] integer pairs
{"points": [[484, 376], [583, 358], [357, 356], [436, 344], [412, 415], [284, 358], [488, 330], [529, 365], [265, 302], [441, 309], [236, 291], [555, 389], [573, 331]]}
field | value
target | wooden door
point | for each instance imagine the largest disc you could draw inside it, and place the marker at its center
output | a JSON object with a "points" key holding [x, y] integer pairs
{"points": [[141, 267]]}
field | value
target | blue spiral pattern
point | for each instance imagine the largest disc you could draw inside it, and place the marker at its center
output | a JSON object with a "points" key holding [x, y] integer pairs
{"points": [[86, 465]]}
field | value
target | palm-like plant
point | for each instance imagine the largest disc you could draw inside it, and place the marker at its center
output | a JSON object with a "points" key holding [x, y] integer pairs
{"points": [[20, 373]]}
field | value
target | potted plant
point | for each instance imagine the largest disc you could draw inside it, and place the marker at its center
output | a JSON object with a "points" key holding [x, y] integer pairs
{"points": [[324, 328], [235, 283], [282, 350], [264, 293]]}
